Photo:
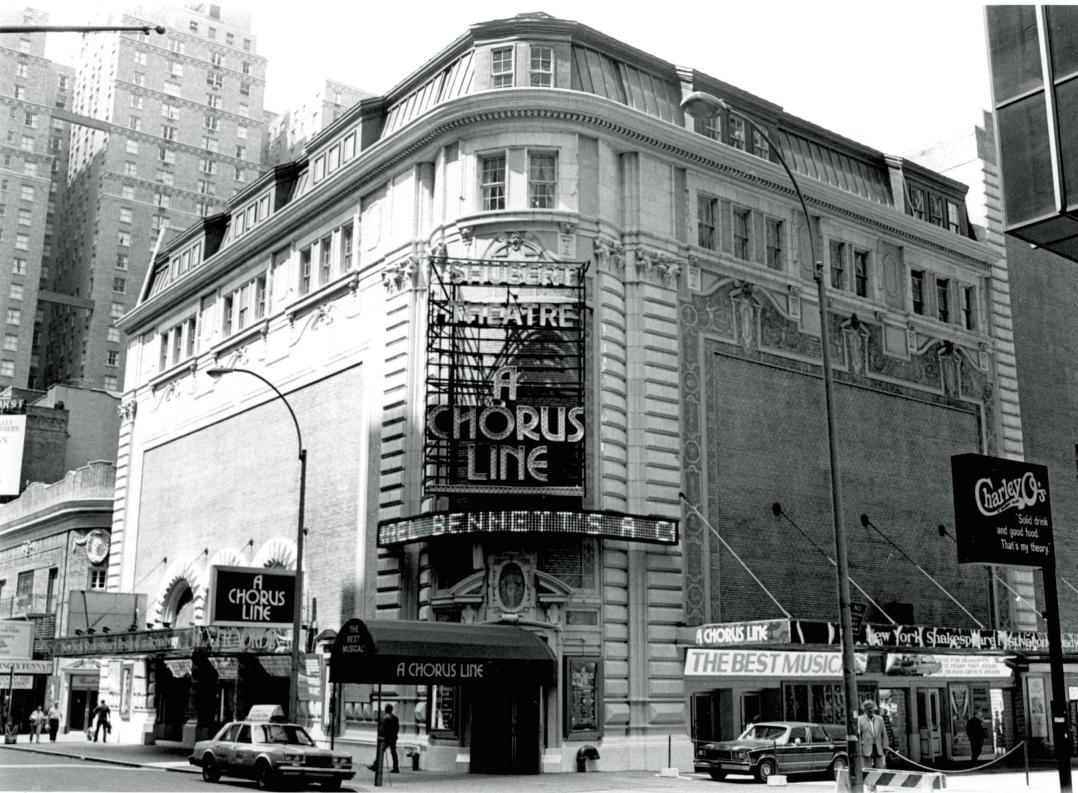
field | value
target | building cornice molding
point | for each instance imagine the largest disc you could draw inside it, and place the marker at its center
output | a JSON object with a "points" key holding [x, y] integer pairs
{"points": [[572, 107]]}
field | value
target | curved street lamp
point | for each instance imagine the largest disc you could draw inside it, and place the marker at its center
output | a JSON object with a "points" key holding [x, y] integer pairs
{"points": [[701, 104], [297, 614]]}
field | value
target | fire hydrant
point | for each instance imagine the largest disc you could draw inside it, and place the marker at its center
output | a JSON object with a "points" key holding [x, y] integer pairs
{"points": [[583, 754]]}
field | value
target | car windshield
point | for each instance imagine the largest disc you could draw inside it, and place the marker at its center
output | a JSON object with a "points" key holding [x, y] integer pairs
{"points": [[764, 732], [286, 733]]}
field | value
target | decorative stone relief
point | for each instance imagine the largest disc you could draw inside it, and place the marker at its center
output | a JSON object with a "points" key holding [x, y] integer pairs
{"points": [[400, 275], [694, 275], [855, 339], [127, 409], [745, 308], [516, 246], [794, 301], [611, 256], [659, 267], [911, 339], [949, 369], [438, 253], [567, 240], [983, 356], [467, 236]]}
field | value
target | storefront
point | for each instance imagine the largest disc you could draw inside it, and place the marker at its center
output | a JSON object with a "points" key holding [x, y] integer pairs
{"points": [[488, 693], [23, 686], [927, 682], [174, 685]]}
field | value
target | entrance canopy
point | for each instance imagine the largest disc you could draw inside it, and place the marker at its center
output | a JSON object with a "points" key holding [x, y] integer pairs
{"points": [[446, 653]]}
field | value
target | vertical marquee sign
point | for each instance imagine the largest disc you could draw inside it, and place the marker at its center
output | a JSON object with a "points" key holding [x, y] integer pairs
{"points": [[505, 394]]}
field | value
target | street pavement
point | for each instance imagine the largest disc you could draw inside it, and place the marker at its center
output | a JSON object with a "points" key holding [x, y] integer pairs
{"points": [[73, 763]]}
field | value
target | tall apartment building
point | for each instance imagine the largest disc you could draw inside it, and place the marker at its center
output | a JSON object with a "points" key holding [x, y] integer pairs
{"points": [[290, 130], [183, 131], [34, 144]]}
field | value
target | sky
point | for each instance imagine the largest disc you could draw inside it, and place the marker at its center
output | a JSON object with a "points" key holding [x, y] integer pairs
{"points": [[895, 76]]}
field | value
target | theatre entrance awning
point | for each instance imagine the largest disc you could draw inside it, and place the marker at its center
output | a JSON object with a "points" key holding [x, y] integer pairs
{"points": [[445, 653]]}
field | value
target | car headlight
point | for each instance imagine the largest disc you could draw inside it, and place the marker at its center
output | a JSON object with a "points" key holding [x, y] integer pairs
{"points": [[343, 762], [742, 756], [292, 758]]}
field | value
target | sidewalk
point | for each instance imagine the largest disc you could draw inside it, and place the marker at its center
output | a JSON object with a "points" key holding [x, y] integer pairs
{"points": [[76, 746]]}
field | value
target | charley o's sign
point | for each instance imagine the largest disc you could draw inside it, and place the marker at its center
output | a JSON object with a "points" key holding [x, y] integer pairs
{"points": [[252, 596], [1003, 514]]}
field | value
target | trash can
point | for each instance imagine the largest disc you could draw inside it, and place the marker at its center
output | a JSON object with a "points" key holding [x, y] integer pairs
{"points": [[583, 754]]}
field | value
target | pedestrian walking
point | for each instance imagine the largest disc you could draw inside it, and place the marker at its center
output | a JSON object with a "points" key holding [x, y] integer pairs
{"points": [[975, 732], [37, 721], [391, 728], [102, 713], [54, 720]]}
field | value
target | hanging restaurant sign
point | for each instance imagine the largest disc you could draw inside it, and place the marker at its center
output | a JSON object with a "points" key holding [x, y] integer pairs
{"points": [[505, 375], [1002, 511]]}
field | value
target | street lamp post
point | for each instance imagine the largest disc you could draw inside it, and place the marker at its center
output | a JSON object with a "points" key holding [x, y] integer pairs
{"points": [[297, 614], [710, 104]]}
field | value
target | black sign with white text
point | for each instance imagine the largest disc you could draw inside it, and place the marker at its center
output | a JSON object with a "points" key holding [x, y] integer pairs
{"points": [[1002, 511], [252, 596]]}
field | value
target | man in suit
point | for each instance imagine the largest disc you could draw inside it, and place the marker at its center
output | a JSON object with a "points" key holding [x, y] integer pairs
{"points": [[873, 737]]}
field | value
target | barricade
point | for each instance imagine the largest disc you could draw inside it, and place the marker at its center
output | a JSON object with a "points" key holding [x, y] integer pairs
{"points": [[907, 780]]}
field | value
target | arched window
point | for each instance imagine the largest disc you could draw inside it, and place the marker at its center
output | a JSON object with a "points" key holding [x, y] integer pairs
{"points": [[179, 611]]}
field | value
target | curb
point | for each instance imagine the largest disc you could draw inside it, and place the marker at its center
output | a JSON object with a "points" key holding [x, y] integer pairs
{"points": [[106, 761]]}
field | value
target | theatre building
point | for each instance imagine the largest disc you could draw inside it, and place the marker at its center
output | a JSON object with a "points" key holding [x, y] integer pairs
{"points": [[517, 307]]}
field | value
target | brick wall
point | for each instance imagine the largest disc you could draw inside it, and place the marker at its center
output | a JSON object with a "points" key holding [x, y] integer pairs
{"points": [[767, 442], [253, 496]]}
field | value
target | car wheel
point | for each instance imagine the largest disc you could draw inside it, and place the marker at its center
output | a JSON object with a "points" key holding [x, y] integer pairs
{"points": [[839, 764], [210, 771], [265, 779], [718, 776], [331, 784], [765, 769]]}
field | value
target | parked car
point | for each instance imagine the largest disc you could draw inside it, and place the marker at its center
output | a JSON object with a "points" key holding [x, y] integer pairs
{"points": [[270, 751], [776, 747]]}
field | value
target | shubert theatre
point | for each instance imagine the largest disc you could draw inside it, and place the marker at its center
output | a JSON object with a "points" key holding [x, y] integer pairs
{"points": [[549, 338]]}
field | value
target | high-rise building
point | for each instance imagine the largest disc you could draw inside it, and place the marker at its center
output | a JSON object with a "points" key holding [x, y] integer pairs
{"points": [[290, 130], [33, 167], [183, 132]]}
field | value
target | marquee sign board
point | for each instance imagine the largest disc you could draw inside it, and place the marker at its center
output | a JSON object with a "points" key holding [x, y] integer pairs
{"points": [[252, 596], [578, 522], [505, 374], [1002, 511]]}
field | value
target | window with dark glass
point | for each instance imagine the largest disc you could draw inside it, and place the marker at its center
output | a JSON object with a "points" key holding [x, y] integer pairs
{"points": [[736, 129], [917, 203], [917, 290], [935, 210], [305, 271], [706, 211], [501, 67], [742, 231], [776, 256], [969, 320], [542, 67], [325, 249], [860, 273], [954, 222], [542, 180], [760, 146], [943, 288], [493, 182], [838, 265]]}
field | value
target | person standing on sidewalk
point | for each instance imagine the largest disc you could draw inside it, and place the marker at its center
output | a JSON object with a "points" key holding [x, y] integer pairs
{"points": [[37, 721], [54, 720], [975, 733], [391, 728], [873, 735], [102, 712]]}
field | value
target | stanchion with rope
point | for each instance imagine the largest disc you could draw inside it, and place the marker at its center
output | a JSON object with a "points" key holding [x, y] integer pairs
{"points": [[962, 770]]}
